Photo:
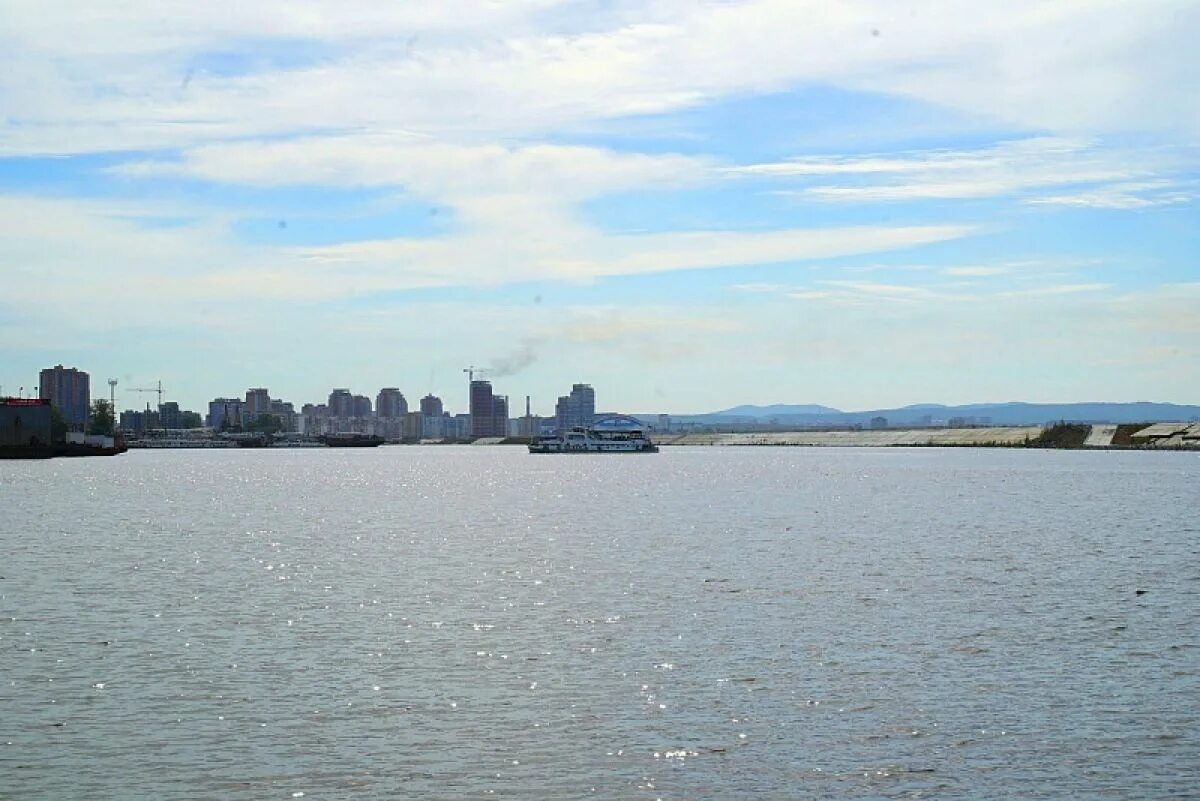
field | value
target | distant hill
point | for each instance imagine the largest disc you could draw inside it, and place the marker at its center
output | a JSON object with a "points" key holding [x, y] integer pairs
{"points": [[776, 409], [1012, 413]]}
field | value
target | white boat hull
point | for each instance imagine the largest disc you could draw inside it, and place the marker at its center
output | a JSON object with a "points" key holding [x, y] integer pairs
{"points": [[641, 446]]}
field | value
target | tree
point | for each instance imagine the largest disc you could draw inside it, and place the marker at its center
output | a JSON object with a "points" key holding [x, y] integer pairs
{"points": [[190, 420], [265, 422], [101, 419], [58, 425]]}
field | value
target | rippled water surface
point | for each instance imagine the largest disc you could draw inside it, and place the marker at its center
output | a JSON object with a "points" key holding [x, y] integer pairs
{"points": [[439, 622]]}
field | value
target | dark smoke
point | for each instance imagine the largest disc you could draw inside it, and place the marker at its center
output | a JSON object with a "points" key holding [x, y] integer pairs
{"points": [[525, 354]]}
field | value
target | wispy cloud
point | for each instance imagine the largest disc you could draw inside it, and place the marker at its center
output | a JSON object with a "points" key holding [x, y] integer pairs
{"points": [[975, 271], [126, 79], [1023, 168], [499, 111], [759, 288], [442, 170], [1130, 195], [1056, 289]]}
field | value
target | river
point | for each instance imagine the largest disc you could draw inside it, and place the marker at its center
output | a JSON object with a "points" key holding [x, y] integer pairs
{"points": [[445, 621]]}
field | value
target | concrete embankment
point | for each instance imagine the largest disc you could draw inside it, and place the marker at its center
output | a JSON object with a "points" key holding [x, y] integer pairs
{"points": [[919, 436], [1156, 436], [1167, 435], [1101, 436]]}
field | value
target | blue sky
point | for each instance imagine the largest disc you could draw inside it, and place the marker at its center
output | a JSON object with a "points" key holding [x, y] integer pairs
{"points": [[689, 205]]}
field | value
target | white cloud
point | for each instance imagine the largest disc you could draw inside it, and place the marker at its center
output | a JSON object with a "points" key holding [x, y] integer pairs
{"points": [[491, 255], [759, 288], [1131, 195], [121, 77], [449, 172], [975, 271], [159, 273], [888, 290], [466, 104], [1015, 167], [1056, 289], [514, 211]]}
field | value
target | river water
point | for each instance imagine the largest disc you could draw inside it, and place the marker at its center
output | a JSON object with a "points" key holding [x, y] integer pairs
{"points": [[443, 622]]}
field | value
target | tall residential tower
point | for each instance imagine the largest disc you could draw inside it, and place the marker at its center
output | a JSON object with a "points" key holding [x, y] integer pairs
{"points": [[69, 390], [576, 409]]}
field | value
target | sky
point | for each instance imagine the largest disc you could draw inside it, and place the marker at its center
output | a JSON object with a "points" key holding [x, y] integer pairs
{"points": [[689, 205]]}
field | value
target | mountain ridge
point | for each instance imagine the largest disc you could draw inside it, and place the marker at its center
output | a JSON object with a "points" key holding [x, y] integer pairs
{"points": [[1005, 413]]}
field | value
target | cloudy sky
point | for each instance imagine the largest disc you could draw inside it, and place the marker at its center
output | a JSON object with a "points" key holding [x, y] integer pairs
{"points": [[690, 205]]}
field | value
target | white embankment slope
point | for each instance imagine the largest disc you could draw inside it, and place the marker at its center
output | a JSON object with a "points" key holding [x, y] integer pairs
{"points": [[1158, 435], [1101, 436], [1014, 435]]}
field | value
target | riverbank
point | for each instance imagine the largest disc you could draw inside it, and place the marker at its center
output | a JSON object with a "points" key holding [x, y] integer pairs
{"points": [[1157, 436]]}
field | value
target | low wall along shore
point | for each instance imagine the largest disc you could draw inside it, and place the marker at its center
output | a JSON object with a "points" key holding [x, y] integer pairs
{"points": [[1158, 435]]}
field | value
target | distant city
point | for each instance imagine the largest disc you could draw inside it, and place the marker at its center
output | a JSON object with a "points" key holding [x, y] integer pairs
{"points": [[390, 417]]}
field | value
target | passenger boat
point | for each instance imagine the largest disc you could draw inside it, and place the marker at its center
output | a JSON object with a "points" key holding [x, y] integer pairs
{"points": [[612, 434]]}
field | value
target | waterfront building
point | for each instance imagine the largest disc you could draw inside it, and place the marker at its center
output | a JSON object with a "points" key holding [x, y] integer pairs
{"points": [[431, 406], [414, 425], [341, 403], [439, 426], [316, 420], [576, 409], [225, 413], [529, 425], [500, 416], [133, 421], [169, 415], [489, 413], [362, 406], [481, 408], [258, 401], [70, 391], [390, 404], [285, 413], [24, 422], [460, 427], [532, 425]]}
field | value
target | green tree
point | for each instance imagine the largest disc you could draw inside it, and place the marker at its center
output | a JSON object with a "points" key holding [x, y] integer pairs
{"points": [[58, 425], [190, 420], [265, 423], [101, 419]]}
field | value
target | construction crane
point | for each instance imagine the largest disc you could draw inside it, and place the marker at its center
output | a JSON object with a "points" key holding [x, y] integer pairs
{"points": [[158, 389], [472, 370]]}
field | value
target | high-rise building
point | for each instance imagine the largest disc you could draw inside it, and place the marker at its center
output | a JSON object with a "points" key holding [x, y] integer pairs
{"points": [[169, 415], [285, 413], [414, 425], [341, 403], [431, 406], [390, 404], [258, 401], [225, 413], [576, 409], [69, 390], [362, 406], [481, 408], [459, 427], [489, 413], [500, 416], [133, 421]]}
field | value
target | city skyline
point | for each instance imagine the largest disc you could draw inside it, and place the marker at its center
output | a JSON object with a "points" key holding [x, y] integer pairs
{"points": [[547, 407], [695, 205]]}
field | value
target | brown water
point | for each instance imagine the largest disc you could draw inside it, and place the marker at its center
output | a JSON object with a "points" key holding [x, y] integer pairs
{"points": [[438, 622]]}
